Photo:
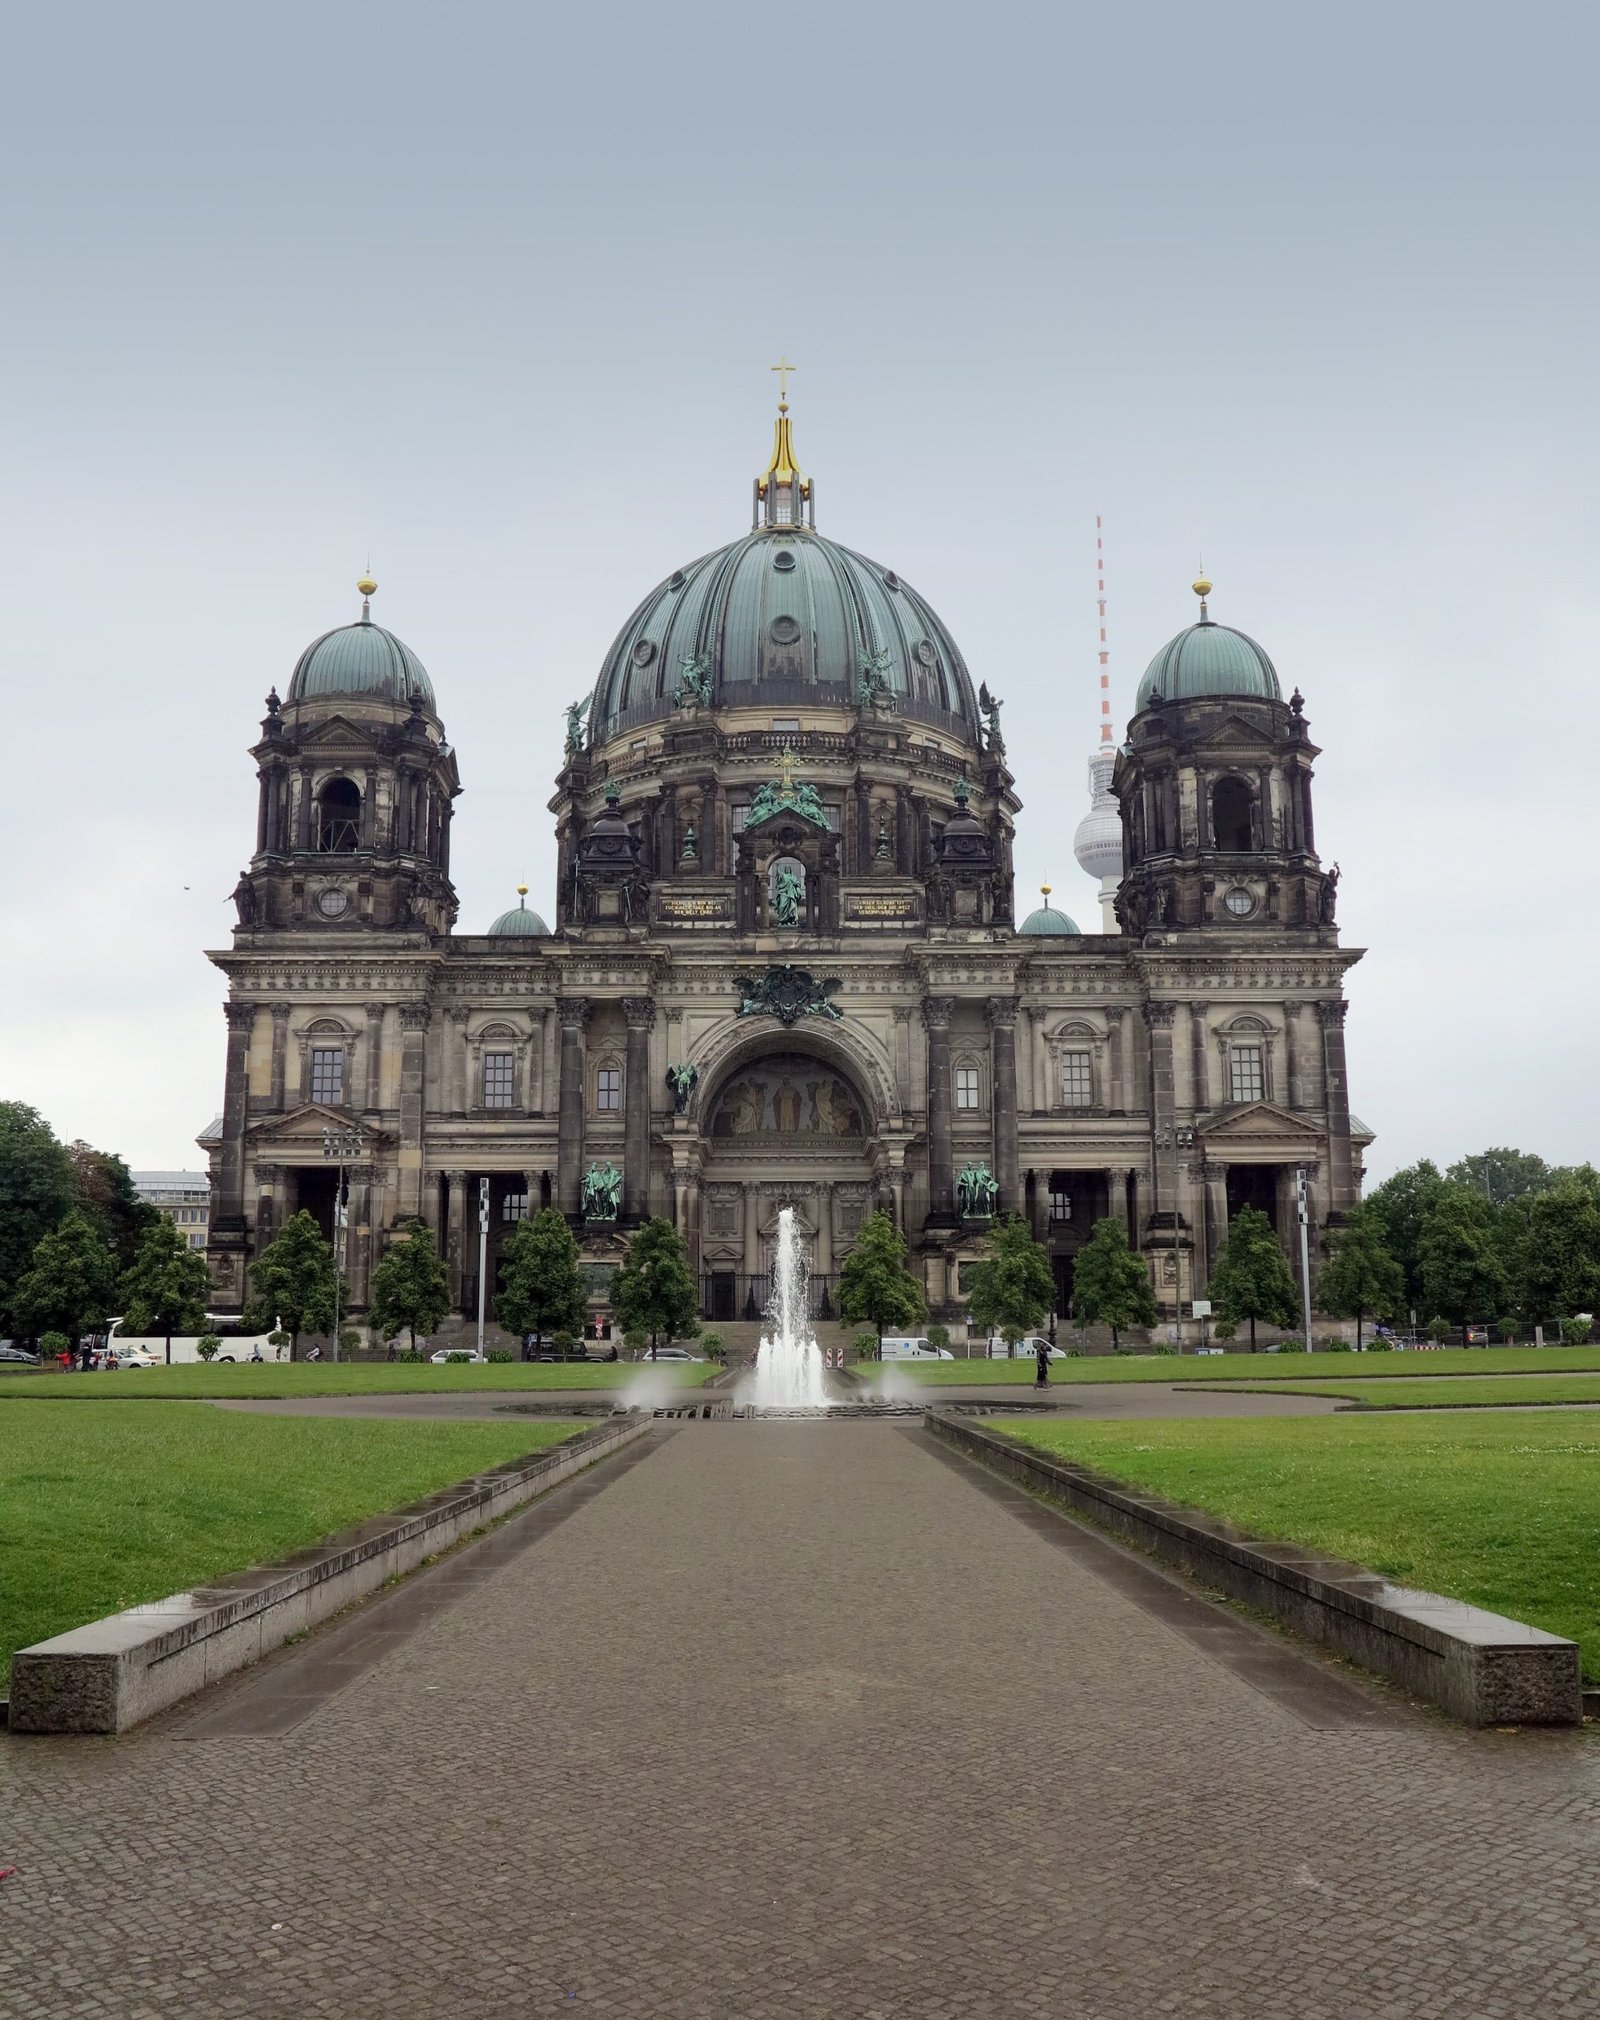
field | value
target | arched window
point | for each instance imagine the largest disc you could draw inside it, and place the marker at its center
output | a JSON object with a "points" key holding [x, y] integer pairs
{"points": [[1231, 806], [339, 817]]}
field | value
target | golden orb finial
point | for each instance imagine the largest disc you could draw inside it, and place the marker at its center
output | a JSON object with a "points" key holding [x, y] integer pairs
{"points": [[1201, 585], [522, 890], [369, 588], [1045, 890]]}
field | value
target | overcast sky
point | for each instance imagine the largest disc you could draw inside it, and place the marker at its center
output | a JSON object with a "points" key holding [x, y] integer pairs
{"points": [[490, 292]]}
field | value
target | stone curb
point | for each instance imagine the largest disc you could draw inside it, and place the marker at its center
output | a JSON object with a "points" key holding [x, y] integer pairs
{"points": [[1479, 1666], [113, 1673]]}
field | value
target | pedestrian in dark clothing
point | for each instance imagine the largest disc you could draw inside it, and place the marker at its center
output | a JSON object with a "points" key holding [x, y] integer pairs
{"points": [[1041, 1355]]}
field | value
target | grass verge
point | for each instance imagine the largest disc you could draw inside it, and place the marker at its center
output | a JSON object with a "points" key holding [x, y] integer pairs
{"points": [[1501, 1511], [352, 1378], [1534, 1362], [105, 1504], [1466, 1394]]}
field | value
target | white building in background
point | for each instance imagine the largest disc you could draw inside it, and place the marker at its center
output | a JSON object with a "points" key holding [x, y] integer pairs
{"points": [[183, 1196]]}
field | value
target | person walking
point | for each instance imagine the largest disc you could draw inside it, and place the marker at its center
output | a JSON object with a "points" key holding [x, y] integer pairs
{"points": [[1041, 1356]]}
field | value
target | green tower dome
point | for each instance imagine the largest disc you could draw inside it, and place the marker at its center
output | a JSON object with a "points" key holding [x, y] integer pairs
{"points": [[1208, 659], [1046, 919], [519, 923], [361, 658]]}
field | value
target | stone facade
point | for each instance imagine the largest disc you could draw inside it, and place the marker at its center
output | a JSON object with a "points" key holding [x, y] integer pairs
{"points": [[801, 888]]}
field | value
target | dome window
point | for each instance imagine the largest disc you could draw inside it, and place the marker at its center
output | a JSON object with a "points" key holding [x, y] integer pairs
{"points": [[784, 630], [890, 579], [339, 817], [643, 652], [783, 560]]}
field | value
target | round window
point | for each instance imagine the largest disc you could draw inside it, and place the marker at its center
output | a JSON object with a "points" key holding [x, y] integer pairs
{"points": [[784, 630], [890, 579], [1239, 902], [643, 652], [926, 653], [677, 580], [784, 559], [334, 903]]}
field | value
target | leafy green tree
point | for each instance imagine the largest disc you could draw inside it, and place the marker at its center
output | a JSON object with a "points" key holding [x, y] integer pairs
{"points": [[876, 1287], [1461, 1274], [292, 1281], [1560, 1258], [1501, 1174], [1251, 1280], [654, 1290], [104, 1187], [541, 1284], [1360, 1278], [1013, 1290], [164, 1288], [36, 1191], [72, 1286], [1402, 1204], [1110, 1284], [410, 1287]]}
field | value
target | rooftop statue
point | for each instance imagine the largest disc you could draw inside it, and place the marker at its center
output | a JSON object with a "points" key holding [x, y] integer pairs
{"points": [[976, 1192], [785, 795], [576, 711], [602, 1192], [682, 1080], [694, 688]]}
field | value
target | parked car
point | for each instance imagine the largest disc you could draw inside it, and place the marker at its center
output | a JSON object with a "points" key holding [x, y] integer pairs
{"points": [[1026, 1349], [17, 1357], [457, 1354], [127, 1357], [672, 1354], [914, 1349]]}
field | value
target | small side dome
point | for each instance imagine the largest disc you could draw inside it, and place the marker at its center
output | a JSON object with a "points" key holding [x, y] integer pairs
{"points": [[1207, 659], [361, 658], [520, 923], [1046, 919]]}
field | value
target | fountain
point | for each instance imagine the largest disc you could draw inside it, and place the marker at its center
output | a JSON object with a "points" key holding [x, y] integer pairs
{"points": [[789, 1363]]}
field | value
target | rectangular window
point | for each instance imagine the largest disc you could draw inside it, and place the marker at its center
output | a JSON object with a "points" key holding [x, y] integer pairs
{"points": [[1077, 1080], [786, 725], [966, 1087], [514, 1206], [1244, 1067], [327, 1076], [499, 1079], [608, 1087], [197, 1241], [1060, 1202]]}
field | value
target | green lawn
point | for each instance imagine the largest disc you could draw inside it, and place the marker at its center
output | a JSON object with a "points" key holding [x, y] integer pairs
{"points": [[1254, 1367], [105, 1504], [1503, 1511], [1463, 1394], [353, 1378]]}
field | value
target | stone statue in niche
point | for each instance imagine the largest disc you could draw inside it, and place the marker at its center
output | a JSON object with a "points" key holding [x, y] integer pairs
{"points": [[788, 891], [976, 1192], [682, 1080]]}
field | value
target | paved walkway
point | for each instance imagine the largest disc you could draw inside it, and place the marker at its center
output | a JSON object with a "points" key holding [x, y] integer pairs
{"points": [[789, 1720]]}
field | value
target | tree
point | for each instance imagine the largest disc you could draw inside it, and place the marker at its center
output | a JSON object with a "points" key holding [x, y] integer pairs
{"points": [[103, 1186], [1560, 1259], [292, 1281], [876, 1287], [1110, 1284], [654, 1290], [1461, 1275], [1013, 1289], [541, 1285], [72, 1285], [36, 1191], [1360, 1276], [165, 1287], [1501, 1174], [1251, 1280], [1402, 1204], [410, 1287]]}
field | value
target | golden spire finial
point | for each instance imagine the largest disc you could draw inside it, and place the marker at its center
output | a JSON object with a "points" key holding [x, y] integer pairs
{"points": [[1045, 890], [783, 368], [522, 890], [369, 589], [786, 772], [783, 495], [1201, 586]]}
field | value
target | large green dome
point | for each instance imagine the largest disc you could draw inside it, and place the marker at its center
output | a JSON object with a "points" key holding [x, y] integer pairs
{"points": [[780, 619], [360, 658], [1209, 659], [519, 923], [1047, 919]]}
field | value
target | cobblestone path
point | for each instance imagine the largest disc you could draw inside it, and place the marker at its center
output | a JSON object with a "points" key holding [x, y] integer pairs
{"points": [[793, 1720]]}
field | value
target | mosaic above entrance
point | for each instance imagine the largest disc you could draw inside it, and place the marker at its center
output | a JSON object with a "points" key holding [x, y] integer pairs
{"points": [[787, 1094]]}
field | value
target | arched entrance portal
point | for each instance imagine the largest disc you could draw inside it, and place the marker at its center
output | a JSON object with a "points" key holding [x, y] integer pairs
{"points": [[787, 1125]]}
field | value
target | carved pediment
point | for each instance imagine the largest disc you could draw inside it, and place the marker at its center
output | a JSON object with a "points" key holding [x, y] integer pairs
{"points": [[301, 1130], [1232, 733], [1258, 1124]]}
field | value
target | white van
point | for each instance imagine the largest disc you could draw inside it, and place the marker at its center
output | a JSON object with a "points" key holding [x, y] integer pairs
{"points": [[237, 1344], [914, 1350]]}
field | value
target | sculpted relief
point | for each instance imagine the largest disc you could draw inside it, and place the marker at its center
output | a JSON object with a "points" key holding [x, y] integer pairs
{"points": [[787, 1095]]}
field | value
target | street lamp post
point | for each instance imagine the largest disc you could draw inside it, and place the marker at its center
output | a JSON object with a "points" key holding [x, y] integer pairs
{"points": [[1176, 1137], [483, 1253], [1305, 1255], [345, 1146]]}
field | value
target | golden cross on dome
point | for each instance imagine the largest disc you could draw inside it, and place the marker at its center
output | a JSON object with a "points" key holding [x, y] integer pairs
{"points": [[783, 368], [786, 764]]}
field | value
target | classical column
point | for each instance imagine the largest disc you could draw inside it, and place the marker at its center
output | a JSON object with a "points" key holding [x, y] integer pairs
{"points": [[358, 1242], [414, 1019], [1216, 1210], [574, 1014], [1001, 1012], [280, 1052], [369, 810], [267, 1177], [751, 1208], [1197, 1055], [302, 824], [825, 1229], [1043, 1094], [235, 1107], [640, 1013], [373, 1097], [1163, 1102], [936, 1014], [453, 1063], [1341, 1173], [1293, 1073], [1117, 1094], [455, 1228], [1117, 1198]]}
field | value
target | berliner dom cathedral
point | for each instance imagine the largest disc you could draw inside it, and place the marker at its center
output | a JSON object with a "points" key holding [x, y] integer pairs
{"points": [[785, 962]]}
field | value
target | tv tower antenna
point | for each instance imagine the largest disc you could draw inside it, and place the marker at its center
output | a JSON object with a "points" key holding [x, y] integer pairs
{"points": [[1098, 842]]}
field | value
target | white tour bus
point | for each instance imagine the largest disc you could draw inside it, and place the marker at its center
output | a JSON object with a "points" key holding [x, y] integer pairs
{"points": [[237, 1344]]}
